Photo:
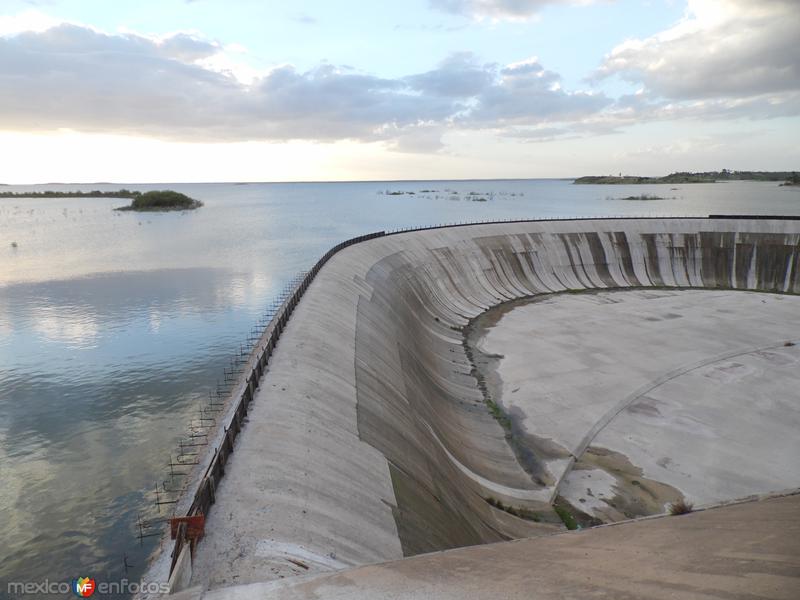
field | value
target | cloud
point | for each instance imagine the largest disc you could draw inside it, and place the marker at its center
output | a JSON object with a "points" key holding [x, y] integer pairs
{"points": [[328, 103], [498, 9], [76, 78], [177, 87], [527, 93], [29, 20], [304, 19], [720, 49], [185, 87], [458, 76]]}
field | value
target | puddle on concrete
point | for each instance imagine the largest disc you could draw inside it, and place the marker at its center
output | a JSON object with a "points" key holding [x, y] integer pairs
{"points": [[606, 485]]}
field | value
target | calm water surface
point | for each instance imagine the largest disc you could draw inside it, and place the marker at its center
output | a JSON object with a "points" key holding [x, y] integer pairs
{"points": [[115, 326]]}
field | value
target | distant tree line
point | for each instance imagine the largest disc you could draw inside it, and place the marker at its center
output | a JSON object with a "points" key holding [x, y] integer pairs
{"points": [[692, 177], [131, 194]]}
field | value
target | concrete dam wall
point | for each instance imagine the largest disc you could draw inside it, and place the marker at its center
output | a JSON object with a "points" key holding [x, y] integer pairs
{"points": [[370, 437]]}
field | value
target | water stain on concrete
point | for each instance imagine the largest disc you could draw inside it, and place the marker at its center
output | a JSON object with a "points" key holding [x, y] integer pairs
{"points": [[634, 495], [532, 451], [645, 406]]}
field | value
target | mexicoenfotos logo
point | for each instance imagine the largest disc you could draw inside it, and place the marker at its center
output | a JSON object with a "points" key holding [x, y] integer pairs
{"points": [[83, 587]]}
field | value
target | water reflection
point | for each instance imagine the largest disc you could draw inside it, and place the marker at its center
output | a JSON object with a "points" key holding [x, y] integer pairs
{"points": [[98, 377]]}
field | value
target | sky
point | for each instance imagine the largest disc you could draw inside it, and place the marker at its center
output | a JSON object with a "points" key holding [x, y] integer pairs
{"points": [[256, 90]]}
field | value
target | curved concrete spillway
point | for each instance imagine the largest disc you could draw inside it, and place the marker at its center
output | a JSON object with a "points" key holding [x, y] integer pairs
{"points": [[369, 438]]}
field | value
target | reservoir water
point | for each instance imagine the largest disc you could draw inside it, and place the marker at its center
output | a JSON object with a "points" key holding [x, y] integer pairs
{"points": [[114, 327]]}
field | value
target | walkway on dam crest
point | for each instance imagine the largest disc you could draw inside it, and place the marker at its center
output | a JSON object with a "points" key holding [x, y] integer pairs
{"points": [[749, 550]]}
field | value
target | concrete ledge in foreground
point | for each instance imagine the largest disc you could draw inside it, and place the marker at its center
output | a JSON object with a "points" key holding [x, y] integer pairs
{"points": [[749, 550]]}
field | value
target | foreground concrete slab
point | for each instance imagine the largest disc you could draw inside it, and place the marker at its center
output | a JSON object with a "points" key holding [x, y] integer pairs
{"points": [[743, 552]]}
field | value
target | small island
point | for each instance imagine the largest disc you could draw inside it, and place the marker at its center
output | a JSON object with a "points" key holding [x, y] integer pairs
{"points": [[153, 201], [161, 200], [686, 177], [793, 181]]}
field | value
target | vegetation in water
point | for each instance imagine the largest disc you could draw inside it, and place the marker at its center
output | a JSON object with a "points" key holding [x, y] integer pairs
{"points": [[449, 195], [646, 197], [162, 200]]}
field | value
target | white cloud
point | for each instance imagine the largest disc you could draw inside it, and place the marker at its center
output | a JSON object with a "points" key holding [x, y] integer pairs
{"points": [[726, 59], [529, 94], [184, 87], [459, 76], [30, 20], [498, 9], [720, 49]]}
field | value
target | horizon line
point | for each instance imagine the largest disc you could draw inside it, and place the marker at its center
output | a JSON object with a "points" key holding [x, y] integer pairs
{"points": [[289, 181]]}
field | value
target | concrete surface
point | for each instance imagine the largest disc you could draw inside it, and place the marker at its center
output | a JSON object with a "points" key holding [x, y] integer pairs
{"points": [[369, 440], [694, 389], [742, 552]]}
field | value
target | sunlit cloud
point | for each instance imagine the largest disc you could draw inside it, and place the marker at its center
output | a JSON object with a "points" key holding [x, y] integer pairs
{"points": [[30, 20], [78, 330], [720, 49]]}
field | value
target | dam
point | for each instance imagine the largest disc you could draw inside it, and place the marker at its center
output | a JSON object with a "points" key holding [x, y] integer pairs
{"points": [[470, 385]]}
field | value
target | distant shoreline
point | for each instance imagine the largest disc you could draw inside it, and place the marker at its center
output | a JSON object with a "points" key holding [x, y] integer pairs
{"points": [[77, 194], [152, 201], [687, 177], [608, 179]]}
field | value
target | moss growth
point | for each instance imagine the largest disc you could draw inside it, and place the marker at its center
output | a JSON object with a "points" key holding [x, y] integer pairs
{"points": [[522, 513], [566, 516], [498, 414]]}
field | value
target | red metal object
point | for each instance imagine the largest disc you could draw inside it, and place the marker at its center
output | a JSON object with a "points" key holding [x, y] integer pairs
{"points": [[195, 526]]}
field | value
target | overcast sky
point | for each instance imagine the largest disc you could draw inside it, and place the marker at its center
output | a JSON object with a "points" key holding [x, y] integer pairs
{"points": [[253, 90]]}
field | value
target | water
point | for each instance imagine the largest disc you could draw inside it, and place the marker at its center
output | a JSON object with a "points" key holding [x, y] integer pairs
{"points": [[115, 326]]}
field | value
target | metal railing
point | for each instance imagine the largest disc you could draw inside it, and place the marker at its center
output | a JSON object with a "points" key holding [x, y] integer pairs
{"points": [[205, 494]]}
